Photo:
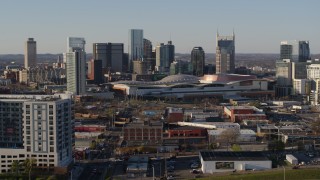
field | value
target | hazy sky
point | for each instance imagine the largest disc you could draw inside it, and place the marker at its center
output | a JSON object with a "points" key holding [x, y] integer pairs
{"points": [[259, 25]]}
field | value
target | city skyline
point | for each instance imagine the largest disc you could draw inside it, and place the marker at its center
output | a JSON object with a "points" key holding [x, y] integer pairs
{"points": [[259, 26]]}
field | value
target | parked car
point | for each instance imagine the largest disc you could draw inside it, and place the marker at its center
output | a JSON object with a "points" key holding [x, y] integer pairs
{"points": [[170, 178], [194, 165], [195, 171]]}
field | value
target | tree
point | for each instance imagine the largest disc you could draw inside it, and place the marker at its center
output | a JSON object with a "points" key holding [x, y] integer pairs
{"points": [[15, 167], [229, 136], [255, 103], [276, 146], [28, 164], [236, 147]]}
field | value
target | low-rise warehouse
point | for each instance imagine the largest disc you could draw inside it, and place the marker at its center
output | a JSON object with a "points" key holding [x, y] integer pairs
{"points": [[214, 161]]}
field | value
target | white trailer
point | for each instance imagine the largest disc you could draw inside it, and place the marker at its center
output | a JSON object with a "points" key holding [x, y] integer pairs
{"points": [[293, 160]]}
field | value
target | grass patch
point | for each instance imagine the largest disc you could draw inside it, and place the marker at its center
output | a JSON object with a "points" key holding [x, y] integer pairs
{"points": [[292, 174]]}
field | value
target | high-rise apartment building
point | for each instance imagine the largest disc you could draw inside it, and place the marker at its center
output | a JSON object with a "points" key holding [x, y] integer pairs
{"points": [[30, 53], [164, 56], [297, 51], [111, 55], [38, 127], [135, 48], [76, 65], [225, 54], [197, 61]]}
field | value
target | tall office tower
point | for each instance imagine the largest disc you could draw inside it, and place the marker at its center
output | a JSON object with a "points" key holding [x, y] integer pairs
{"points": [[76, 65], [30, 53], [297, 51], [111, 55], [100, 52], [38, 127], [225, 54], [147, 49], [95, 71], [164, 56], [135, 48], [197, 61]]}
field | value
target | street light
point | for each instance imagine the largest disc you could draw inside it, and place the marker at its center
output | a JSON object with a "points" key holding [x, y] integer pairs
{"points": [[153, 172], [284, 173]]}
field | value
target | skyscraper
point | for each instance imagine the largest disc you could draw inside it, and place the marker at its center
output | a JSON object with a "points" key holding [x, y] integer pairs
{"points": [[30, 53], [100, 52], [76, 64], [135, 49], [225, 54], [164, 56], [297, 51], [197, 61], [147, 49], [95, 71], [111, 55]]}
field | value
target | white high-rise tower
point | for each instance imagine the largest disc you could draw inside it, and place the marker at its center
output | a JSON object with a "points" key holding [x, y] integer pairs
{"points": [[76, 63]]}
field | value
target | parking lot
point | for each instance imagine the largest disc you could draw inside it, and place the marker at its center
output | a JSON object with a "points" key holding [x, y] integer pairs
{"points": [[177, 168]]}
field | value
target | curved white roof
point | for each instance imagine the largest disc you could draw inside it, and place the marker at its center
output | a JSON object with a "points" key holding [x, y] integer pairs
{"points": [[180, 78]]}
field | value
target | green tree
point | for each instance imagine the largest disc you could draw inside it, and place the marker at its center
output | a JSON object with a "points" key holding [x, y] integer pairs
{"points": [[255, 103], [276, 146], [28, 165], [236, 147], [15, 167]]}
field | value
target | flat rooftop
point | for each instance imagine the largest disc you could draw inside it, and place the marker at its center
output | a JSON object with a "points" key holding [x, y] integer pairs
{"points": [[232, 156]]}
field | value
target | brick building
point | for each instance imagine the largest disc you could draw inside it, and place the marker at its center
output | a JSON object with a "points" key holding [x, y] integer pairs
{"points": [[239, 113], [148, 132]]}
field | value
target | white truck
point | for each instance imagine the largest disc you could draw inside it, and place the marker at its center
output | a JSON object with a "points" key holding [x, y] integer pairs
{"points": [[293, 160]]}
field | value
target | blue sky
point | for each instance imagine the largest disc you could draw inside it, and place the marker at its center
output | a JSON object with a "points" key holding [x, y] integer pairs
{"points": [[259, 25]]}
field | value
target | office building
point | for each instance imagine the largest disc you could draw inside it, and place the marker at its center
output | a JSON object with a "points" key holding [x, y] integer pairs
{"points": [[297, 51], [180, 67], [197, 61], [284, 77], [30, 53], [147, 49], [95, 71], [100, 53], [141, 67], [111, 55], [38, 127], [225, 54], [164, 56], [135, 48], [76, 65]]}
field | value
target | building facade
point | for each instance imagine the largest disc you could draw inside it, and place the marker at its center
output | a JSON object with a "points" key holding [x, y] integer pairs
{"points": [[143, 132], [30, 53], [197, 61], [225, 54], [164, 56], [111, 55], [95, 71], [135, 48], [147, 49], [297, 51], [76, 65], [38, 127]]}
